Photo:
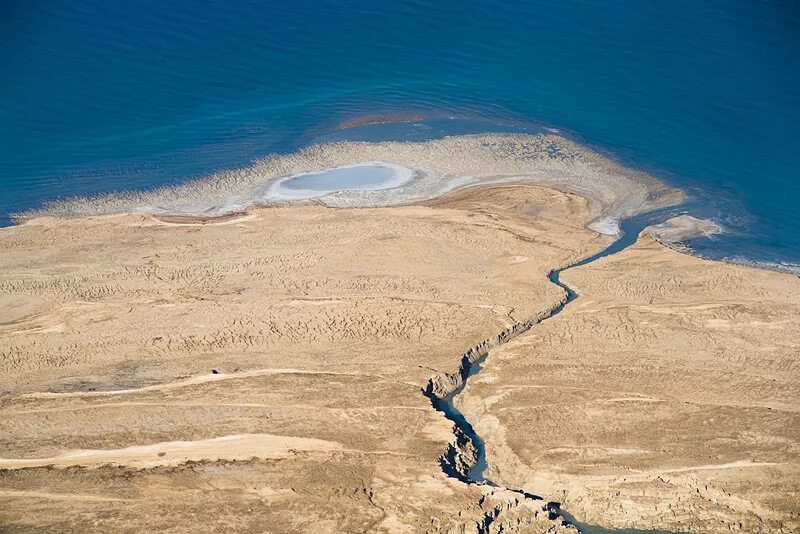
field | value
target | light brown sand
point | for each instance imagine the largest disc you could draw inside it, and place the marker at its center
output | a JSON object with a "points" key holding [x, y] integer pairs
{"points": [[666, 396], [276, 358], [321, 327]]}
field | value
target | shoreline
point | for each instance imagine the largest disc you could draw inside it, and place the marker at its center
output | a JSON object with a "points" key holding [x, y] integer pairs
{"points": [[366, 303], [442, 166], [466, 458], [580, 485], [618, 192], [183, 219]]}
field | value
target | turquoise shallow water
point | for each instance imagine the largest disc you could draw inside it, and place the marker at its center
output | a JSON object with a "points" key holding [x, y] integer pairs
{"points": [[104, 96], [361, 177]]}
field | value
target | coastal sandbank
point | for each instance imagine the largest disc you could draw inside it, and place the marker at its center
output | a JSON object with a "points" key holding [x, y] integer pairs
{"points": [[438, 166], [266, 370]]}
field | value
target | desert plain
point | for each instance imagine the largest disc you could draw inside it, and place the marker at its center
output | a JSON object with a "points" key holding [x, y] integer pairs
{"points": [[267, 370]]}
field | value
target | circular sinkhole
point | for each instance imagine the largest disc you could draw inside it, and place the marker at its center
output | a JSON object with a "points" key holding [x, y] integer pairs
{"points": [[371, 176]]}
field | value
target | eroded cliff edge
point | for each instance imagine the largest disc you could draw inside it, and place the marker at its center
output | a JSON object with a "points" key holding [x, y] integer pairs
{"points": [[664, 397]]}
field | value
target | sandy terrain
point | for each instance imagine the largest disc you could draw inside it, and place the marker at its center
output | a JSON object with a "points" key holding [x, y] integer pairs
{"points": [[666, 396], [263, 371]]}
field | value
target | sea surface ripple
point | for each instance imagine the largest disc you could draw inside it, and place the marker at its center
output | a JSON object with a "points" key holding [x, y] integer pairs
{"points": [[108, 96]]}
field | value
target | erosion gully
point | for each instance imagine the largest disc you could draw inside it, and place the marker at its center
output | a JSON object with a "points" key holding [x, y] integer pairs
{"points": [[452, 461]]}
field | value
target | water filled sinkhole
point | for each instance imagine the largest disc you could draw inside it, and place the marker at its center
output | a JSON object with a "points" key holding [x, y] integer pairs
{"points": [[369, 176]]}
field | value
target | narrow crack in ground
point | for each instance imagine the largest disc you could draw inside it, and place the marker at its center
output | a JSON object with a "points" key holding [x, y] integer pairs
{"points": [[465, 458]]}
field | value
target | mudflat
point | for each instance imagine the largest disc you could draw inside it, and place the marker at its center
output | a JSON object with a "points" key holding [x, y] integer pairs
{"points": [[266, 372]]}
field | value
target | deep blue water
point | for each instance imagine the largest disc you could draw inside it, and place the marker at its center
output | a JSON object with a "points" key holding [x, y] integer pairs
{"points": [[99, 96]]}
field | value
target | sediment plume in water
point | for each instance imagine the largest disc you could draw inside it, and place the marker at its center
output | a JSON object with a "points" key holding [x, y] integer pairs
{"points": [[439, 166]]}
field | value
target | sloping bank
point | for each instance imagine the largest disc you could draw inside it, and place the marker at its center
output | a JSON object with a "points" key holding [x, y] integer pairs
{"points": [[465, 457]]}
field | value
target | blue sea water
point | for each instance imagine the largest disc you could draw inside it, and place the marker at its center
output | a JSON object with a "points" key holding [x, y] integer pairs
{"points": [[99, 96]]}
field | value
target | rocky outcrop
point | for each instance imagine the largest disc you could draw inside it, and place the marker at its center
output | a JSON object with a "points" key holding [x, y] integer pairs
{"points": [[448, 384]]}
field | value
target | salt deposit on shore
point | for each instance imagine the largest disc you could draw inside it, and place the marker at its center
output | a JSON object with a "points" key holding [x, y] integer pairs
{"points": [[679, 229], [438, 167], [268, 366], [368, 176]]}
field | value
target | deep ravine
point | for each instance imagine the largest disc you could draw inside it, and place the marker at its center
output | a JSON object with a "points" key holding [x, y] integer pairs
{"points": [[465, 458]]}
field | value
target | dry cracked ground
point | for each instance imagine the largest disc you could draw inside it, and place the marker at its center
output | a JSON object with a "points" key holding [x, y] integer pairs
{"points": [[264, 373]]}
